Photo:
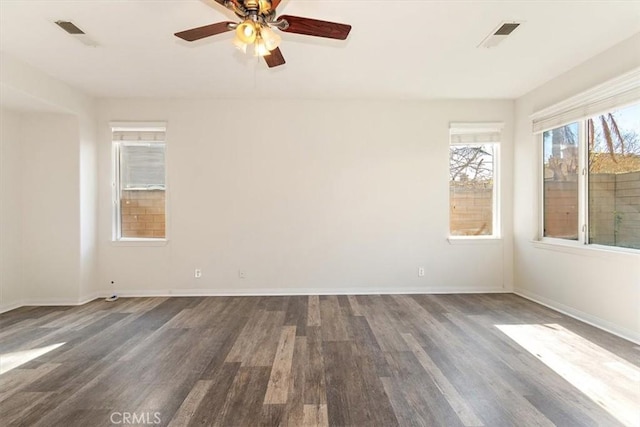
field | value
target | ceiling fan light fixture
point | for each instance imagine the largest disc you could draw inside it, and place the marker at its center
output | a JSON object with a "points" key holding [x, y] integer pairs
{"points": [[240, 45], [260, 47], [271, 39], [246, 32]]}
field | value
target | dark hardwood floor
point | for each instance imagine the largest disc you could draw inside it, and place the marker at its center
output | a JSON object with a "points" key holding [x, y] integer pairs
{"points": [[411, 360]]}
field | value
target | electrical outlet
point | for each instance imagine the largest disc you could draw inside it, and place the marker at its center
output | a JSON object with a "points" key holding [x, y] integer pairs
{"points": [[242, 274], [420, 271], [198, 273]]}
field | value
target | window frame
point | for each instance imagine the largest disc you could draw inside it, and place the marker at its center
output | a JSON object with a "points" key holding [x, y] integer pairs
{"points": [[618, 93], [458, 128], [116, 217], [583, 192]]}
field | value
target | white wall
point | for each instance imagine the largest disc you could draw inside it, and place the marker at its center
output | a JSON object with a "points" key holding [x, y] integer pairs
{"points": [[49, 182], [50, 207], [88, 205], [597, 286], [10, 209], [30, 89], [335, 197]]}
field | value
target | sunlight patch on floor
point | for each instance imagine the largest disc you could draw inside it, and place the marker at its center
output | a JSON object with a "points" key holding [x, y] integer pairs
{"points": [[608, 380], [9, 361]]}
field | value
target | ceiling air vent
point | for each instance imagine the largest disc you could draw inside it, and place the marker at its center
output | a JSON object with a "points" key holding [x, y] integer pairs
{"points": [[69, 27], [498, 35], [76, 32]]}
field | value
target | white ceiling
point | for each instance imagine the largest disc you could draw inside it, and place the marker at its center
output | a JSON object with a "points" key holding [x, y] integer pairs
{"points": [[397, 48]]}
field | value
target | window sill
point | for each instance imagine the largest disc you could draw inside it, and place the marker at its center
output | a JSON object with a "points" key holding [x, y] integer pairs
{"points": [[581, 249], [474, 240], [140, 242]]}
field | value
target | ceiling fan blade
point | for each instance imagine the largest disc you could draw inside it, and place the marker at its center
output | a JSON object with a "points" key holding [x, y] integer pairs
{"points": [[206, 31], [274, 4], [275, 58], [317, 28]]}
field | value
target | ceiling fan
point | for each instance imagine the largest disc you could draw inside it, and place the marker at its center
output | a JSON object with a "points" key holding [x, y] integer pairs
{"points": [[258, 17]]}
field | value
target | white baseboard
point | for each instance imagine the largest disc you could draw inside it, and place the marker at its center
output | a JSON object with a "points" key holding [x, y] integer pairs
{"points": [[48, 302], [292, 292], [590, 319], [9, 307], [63, 301], [89, 298]]}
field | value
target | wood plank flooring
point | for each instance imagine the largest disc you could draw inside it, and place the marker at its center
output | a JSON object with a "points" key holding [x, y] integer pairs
{"points": [[409, 360]]}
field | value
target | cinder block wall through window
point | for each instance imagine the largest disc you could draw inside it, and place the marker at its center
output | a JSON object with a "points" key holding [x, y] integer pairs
{"points": [[143, 213]]}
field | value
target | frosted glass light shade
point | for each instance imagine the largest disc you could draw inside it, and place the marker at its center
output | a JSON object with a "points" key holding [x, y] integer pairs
{"points": [[271, 39]]}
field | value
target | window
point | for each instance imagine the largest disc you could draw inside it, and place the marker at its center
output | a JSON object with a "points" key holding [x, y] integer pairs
{"points": [[561, 166], [140, 182], [591, 166], [473, 179], [613, 142]]}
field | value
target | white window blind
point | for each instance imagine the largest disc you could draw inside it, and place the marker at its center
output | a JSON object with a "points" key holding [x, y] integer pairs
{"points": [[141, 151], [475, 133], [613, 94], [142, 166]]}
